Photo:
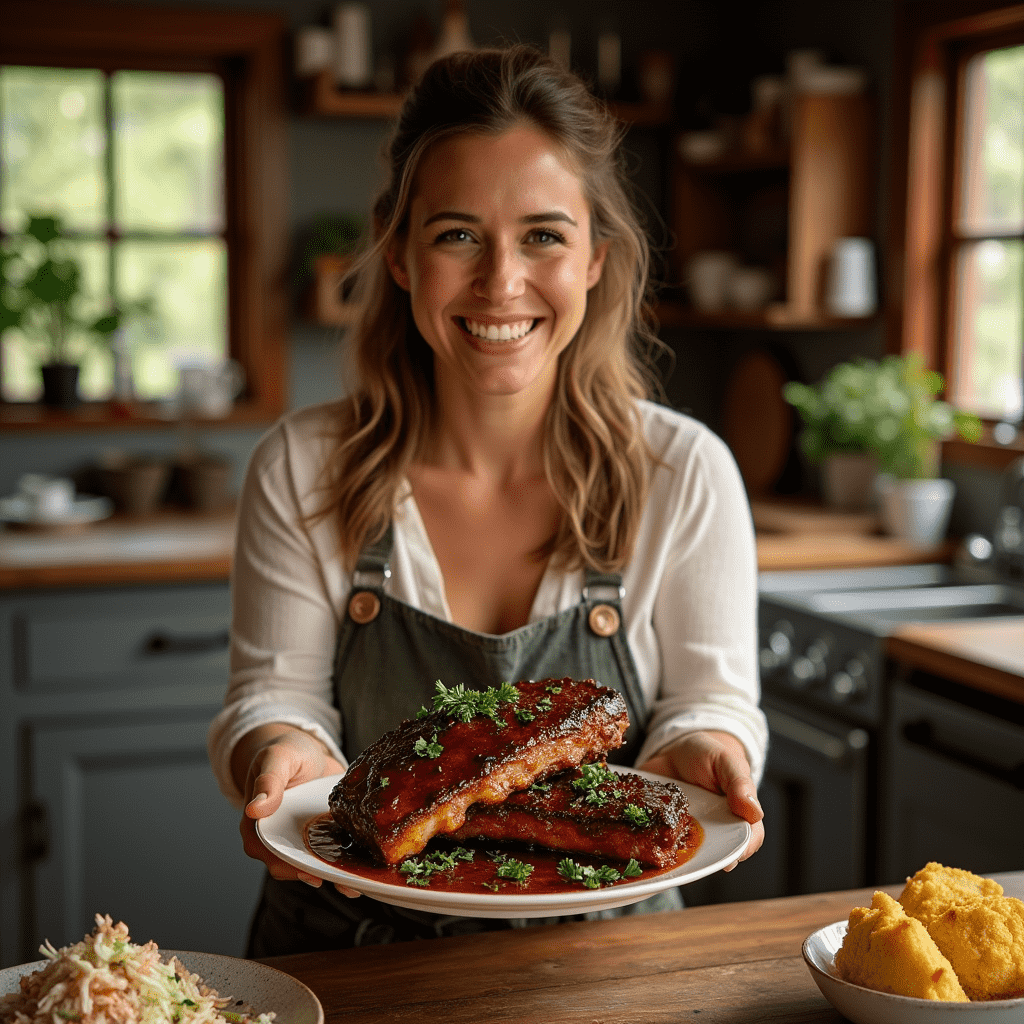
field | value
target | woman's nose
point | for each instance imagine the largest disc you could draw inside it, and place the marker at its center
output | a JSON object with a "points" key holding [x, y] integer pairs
{"points": [[500, 276]]}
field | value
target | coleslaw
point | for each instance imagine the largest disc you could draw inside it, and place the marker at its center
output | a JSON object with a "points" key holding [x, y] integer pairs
{"points": [[108, 979]]}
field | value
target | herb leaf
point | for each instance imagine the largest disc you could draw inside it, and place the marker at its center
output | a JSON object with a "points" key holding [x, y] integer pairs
{"points": [[592, 777], [420, 870], [638, 817], [593, 878], [424, 749], [462, 704], [512, 869]]}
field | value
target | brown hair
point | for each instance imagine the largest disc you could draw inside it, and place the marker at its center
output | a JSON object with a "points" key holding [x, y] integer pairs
{"points": [[596, 458]]}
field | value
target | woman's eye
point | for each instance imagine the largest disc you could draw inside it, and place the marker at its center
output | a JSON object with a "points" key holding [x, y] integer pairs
{"points": [[454, 235], [542, 236]]}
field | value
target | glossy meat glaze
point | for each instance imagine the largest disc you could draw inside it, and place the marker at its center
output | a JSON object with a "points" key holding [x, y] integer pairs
{"points": [[418, 780]]}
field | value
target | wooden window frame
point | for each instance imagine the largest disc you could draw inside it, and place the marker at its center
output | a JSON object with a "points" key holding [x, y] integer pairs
{"points": [[250, 51], [934, 42]]}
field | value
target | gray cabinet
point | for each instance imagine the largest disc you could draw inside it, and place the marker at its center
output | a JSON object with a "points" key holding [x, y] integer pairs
{"points": [[107, 800]]}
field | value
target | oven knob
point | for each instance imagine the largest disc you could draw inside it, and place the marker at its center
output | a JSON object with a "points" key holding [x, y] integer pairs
{"points": [[849, 683], [779, 648], [811, 667]]}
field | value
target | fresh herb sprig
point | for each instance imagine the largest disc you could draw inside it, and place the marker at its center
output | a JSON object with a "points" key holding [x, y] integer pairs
{"points": [[593, 878], [463, 705], [421, 870], [433, 749], [512, 870], [592, 778], [638, 817]]}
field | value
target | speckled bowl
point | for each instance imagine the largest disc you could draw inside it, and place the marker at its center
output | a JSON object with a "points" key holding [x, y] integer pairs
{"points": [[260, 988], [866, 1006]]}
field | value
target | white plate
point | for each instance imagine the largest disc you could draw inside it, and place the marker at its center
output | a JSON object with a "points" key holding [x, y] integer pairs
{"points": [[263, 989], [84, 509], [725, 837], [866, 1006]]}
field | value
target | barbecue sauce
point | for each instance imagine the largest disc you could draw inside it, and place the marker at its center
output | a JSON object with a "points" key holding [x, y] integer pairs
{"points": [[328, 842]]}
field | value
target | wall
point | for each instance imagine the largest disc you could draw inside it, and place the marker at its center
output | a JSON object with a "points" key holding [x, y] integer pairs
{"points": [[335, 167]]}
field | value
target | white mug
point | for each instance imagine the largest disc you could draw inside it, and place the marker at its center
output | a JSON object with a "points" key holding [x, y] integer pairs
{"points": [[851, 278], [210, 389], [708, 275], [49, 498]]}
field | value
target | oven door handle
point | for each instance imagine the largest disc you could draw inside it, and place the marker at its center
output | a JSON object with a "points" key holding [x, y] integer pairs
{"points": [[836, 749], [920, 733]]}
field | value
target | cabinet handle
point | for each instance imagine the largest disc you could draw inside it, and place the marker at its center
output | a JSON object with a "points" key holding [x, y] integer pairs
{"points": [[35, 832], [834, 748], [921, 734], [201, 643]]}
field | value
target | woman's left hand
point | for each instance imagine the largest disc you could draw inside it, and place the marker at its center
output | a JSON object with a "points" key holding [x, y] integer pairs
{"points": [[717, 762]]}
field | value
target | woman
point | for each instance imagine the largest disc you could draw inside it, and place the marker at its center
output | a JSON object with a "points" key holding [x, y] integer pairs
{"points": [[496, 500]]}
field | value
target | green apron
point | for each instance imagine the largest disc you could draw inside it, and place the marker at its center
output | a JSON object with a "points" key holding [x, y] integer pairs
{"points": [[389, 656]]}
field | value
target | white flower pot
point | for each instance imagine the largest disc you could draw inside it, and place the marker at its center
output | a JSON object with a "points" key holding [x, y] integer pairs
{"points": [[916, 510], [848, 482]]}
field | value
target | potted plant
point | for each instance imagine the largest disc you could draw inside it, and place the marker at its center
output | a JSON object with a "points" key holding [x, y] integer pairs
{"points": [[888, 414], [327, 257], [41, 293]]}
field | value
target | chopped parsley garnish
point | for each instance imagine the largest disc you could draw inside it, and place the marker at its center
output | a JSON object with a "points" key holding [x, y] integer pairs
{"points": [[593, 878], [553, 689], [541, 787], [384, 782], [638, 817], [462, 704], [592, 777], [424, 749], [420, 870], [523, 716], [544, 704], [513, 870]]}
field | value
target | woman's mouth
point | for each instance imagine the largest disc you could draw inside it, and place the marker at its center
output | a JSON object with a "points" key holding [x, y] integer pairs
{"points": [[512, 331]]}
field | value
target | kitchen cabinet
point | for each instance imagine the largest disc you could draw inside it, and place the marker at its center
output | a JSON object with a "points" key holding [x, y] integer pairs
{"points": [[781, 209], [107, 800], [954, 778]]}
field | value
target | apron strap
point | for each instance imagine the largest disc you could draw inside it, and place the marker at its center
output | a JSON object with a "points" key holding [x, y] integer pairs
{"points": [[610, 583], [374, 565]]}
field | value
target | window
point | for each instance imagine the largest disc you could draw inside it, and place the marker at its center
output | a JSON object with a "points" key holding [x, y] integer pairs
{"points": [[986, 236], [158, 136], [963, 234], [133, 163]]}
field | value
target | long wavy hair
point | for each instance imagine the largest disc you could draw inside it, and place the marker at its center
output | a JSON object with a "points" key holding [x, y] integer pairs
{"points": [[596, 458]]}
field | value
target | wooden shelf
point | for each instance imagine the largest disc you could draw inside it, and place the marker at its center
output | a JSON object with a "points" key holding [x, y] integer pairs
{"points": [[776, 317], [324, 98]]}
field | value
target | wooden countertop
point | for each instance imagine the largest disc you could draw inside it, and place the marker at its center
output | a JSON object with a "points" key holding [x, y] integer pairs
{"points": [[168, 547], [724, 964], [986, 655]]}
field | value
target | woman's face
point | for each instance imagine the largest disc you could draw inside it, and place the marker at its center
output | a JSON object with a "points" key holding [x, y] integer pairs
{"points": [[497, 260]]}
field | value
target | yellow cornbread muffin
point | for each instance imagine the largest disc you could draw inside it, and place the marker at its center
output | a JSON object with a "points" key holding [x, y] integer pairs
{"points": [[983, 939], [935, 888], [886, 950]]}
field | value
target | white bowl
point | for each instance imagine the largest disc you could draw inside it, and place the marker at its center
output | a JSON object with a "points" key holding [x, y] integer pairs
{"points": [[866, 1006]]}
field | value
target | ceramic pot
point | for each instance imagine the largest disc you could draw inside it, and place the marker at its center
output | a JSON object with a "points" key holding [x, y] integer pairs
{"points": [[205, 481], [137, 487], [60, 385], [916, 511], [848, 482]]}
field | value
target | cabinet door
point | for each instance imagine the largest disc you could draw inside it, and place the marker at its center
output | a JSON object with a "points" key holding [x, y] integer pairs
{"points": [[134, 826]]}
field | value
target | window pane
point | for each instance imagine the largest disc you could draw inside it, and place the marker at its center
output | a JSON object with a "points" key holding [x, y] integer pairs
{"points": [[23, 354], [169, 151], [993, 196], [188, 281], [988, 331], [52, 141]]}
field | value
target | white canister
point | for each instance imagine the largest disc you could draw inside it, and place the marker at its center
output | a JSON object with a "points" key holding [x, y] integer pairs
{"points": [[708, 275], [353, 51], [314, 50], [851, 278]]}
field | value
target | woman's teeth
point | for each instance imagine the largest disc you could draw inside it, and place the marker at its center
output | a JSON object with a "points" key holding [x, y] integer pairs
{"points": [[496, 332]]}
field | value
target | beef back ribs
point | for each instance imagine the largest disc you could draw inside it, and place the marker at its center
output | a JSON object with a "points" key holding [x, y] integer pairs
{"points": [[418, 780], [592, 811]]}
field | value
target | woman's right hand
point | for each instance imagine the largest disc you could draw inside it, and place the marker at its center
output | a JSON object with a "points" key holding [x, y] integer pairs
{"points": [[274, 758]]}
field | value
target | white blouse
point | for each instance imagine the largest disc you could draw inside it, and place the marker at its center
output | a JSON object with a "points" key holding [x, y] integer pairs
{"points": [[690, 605]]}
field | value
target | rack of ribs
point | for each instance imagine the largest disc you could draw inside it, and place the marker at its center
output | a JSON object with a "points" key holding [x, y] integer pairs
{"points": [[418, 780], [593, 811]]}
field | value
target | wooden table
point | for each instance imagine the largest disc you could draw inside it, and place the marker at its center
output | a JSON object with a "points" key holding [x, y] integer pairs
{"points": [[727, 964]]}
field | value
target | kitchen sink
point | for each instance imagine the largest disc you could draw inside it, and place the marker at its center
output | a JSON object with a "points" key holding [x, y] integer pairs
{"points": [[950, 603]]}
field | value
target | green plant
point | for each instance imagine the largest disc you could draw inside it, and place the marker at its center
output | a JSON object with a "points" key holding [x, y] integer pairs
{"points": [[41, 293], [330, 234], [888, 408]]}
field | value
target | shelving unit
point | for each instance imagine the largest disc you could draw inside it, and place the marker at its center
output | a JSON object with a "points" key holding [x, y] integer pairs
{"points": [[783, 210]]}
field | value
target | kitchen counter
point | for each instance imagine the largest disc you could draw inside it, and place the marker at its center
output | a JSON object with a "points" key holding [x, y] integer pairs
{"points": [[723, 964], [986, 655], [169, 547]]}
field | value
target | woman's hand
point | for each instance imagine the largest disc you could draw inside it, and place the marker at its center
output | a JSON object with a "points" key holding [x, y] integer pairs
{"points": [[266, 762], [717, 762]]}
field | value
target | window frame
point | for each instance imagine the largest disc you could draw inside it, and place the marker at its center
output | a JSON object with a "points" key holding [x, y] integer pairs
{"points": [[934, 43], [249, 51]]}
